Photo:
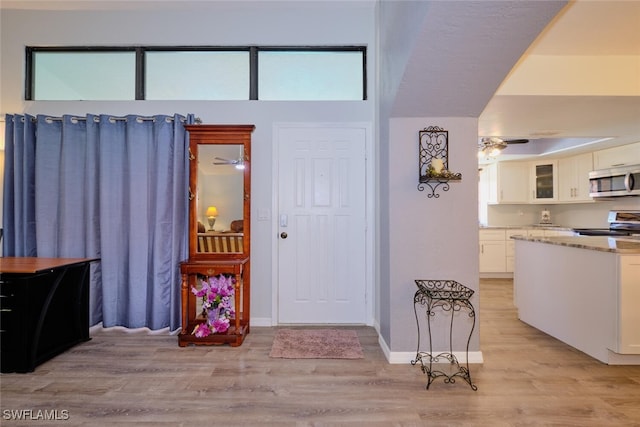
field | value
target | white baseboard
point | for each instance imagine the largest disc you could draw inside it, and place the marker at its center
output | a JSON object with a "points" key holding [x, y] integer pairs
{"points": [[260, 321], [496, 275], [622, 359], [405, 357]]}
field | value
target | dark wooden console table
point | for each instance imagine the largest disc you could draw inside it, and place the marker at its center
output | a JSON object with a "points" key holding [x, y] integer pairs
{"points": [[44, 308]]}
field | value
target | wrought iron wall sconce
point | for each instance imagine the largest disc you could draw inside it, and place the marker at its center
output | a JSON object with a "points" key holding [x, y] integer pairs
{"points": [[433, 150]]}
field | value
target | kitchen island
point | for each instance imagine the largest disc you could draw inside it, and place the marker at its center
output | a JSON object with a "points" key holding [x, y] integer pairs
{"points": [[582, 290]]}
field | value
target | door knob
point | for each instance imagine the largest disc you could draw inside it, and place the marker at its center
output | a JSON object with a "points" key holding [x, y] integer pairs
{"points": [[283, 235]]}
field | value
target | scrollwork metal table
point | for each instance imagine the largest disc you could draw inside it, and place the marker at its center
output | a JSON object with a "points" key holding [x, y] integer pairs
{"points": [[446, 296]]}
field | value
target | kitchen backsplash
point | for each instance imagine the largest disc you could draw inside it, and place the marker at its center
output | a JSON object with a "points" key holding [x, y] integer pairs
{"points": [[581, 215]]}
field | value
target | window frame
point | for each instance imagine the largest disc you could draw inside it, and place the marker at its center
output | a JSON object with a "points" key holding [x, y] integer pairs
{"points": [[140, 51]]}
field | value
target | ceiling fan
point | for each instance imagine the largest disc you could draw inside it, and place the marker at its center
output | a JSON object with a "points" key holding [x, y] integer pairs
{"points": [[238, 163], [492, 146], [223, 161]]}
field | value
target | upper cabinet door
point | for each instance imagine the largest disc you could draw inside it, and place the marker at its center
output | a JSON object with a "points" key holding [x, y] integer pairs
{"points": [[573, 178], [505, 182], [617, 156], [513, 182], [219, 191], [544, 177]]}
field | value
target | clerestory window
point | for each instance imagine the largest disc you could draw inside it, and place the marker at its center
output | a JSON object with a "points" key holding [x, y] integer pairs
{"points": [[196, 73]]}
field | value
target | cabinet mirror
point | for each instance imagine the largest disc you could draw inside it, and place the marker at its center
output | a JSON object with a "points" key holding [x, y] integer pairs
{"points": [[219, 191]]}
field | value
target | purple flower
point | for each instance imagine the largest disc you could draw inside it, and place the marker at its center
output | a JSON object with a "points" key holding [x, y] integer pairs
{"points": [[202, 330], [221, 325], [199, 293], [216, 293]]}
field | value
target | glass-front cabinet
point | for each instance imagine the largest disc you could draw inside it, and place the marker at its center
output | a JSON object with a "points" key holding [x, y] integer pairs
{"points": [[544, 180], [215, 278]]}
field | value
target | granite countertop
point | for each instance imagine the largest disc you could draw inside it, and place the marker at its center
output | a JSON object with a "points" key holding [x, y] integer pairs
{"points": [[620, 245], [526, 227]]}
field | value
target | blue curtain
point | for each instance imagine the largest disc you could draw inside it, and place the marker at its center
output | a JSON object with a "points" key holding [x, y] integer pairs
{"points": [[114, 188]]}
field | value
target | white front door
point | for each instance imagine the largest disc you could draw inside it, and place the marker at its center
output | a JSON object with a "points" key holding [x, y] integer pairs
{"points": [[321, 225]]}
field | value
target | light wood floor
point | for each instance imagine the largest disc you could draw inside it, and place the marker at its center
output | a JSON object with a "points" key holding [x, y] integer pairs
{"points": [[527, 379]]}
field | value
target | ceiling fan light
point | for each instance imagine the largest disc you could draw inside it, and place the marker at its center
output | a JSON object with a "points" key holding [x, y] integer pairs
{"points": [[495, 151]]}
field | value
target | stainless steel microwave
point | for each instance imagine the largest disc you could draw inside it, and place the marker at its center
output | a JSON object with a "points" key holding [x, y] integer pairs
{"points": [[615, 182]]}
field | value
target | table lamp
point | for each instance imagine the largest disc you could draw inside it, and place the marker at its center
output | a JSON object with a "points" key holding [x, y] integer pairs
{"points": [[212, 213]]}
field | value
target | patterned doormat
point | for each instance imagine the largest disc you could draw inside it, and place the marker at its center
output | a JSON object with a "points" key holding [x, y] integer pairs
{"points": [[316, 344]]}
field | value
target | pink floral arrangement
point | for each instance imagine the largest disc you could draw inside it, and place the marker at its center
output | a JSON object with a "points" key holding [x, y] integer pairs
{"points": [[217, 304]]}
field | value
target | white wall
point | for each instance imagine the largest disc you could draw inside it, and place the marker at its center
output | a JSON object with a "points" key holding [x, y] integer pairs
{"points": [[398, 24], [430, 238], [214, 23]]}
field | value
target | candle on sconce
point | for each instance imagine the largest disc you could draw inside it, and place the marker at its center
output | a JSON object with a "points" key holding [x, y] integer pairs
{"points": [[437, 165]]}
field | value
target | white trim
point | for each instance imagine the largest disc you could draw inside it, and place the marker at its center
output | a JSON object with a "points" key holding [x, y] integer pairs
{"points": [[260, 321], [622, 359], [496, 275], [369, 210], [405, 357], [383, 345]]}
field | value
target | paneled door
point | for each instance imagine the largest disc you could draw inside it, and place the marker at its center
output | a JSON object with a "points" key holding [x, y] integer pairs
{"points": [[321, 225]]}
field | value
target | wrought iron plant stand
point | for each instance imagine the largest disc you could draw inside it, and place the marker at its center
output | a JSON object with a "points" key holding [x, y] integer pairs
{"points": [[446, 296]]}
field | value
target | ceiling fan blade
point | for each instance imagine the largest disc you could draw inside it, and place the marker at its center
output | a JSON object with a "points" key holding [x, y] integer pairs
{"points": [[224, 161], [516, 141]]}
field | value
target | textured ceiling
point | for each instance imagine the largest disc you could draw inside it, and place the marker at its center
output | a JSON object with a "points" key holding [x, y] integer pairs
{"points": [[606, 112], [466, 50]]}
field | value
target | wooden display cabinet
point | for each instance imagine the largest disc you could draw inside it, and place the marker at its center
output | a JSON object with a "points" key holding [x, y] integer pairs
{"points": [[191, 317], [220, 177]]}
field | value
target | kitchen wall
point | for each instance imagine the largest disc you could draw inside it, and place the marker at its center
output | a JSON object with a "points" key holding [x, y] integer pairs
{"points": [[581, 215]]}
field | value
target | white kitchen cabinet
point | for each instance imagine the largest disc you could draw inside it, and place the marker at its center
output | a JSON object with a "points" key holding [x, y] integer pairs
{"points": [[492, 251], [617, 156], [489, 183], [544, 181], [512, 182], [507, 182], [573, 178], [493, 240]]}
